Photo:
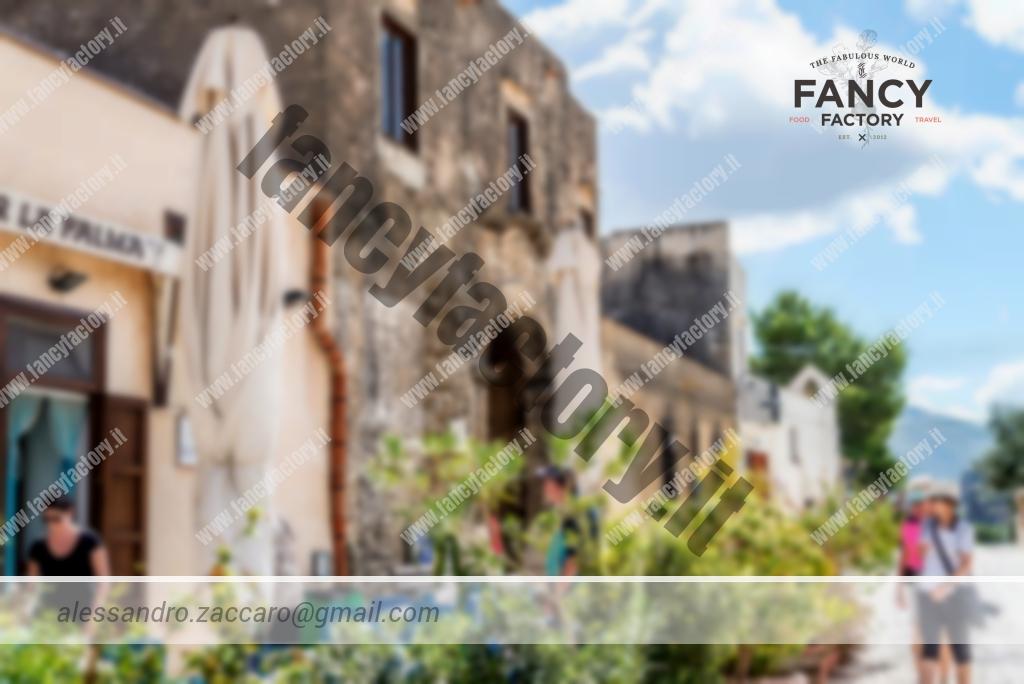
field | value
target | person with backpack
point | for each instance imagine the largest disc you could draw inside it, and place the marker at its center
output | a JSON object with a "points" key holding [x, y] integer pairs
{"points": [[944, 608]]}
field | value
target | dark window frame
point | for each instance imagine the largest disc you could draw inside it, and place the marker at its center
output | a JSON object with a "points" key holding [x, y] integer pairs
{"points": [[55, 316], [399, 64], [520, 199], [588, 223]]}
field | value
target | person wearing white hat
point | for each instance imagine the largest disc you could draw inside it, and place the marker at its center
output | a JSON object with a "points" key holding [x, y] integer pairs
{"points": [[921, 484], [942, 606]]}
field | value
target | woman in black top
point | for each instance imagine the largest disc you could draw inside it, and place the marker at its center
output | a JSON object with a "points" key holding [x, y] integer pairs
{"points": [[67, 550]]}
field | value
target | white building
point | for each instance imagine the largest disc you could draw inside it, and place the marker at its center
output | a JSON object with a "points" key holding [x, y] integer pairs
{"points": [[791, 442]]}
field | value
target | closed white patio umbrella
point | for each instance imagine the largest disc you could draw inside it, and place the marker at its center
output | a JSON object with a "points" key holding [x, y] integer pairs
{"points": [[229, 309]]}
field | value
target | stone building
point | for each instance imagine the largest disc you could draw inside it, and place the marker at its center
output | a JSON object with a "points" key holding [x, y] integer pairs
{"points": [[660, 287], [382, 59], [696, 405], [674, 328]]}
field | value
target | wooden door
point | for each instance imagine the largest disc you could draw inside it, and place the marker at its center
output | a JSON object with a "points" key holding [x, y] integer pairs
{"points": [[118, 497]]}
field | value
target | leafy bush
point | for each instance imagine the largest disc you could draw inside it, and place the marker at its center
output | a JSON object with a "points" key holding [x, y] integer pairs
{"points": [[868, 543], [40, 663], [421, 479], [759, 540], [222, 664]]}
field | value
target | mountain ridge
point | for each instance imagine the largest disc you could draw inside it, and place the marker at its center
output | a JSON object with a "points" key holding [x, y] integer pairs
{"points": [[966, 442]]}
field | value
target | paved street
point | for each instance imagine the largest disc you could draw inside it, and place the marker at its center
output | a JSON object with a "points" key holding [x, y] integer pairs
{"points": [[993, 664]]}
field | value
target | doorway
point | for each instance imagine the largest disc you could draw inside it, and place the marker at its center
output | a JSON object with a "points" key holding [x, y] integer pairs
{"points": [[48, 424], [46, 430]]}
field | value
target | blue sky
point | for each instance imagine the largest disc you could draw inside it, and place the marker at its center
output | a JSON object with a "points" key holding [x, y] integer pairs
{"points": [[678, 84]]}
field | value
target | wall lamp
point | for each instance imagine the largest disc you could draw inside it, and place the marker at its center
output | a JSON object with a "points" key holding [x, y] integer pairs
{"points": [[65, 280]]}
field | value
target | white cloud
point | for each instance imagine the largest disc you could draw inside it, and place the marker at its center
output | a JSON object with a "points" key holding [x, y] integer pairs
{"points": [[940, 394], [865, 210], [628, 55], [720, 72], [574, 16], [925, 385], [924, 10], [648, 10], [997, 164], [952, 395], [723, 55], [903, 222], [1000, 22], [1004, 384]]}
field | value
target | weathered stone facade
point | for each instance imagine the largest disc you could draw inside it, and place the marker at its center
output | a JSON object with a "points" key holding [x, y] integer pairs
{"points": [[674, 280], [658, 291], [460, 151], [695, 404]]}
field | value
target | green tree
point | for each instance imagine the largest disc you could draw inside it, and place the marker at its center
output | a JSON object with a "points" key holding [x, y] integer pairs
{"points": [[1004, 463], [792, 332]]}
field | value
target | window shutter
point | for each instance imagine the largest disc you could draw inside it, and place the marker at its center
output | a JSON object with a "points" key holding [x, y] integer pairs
{"points": [[119, 498]]}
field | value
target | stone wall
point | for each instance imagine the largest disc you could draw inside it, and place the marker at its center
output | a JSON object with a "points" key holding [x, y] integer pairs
{"points": [[695, 404], [461, 150], [674, 280]]}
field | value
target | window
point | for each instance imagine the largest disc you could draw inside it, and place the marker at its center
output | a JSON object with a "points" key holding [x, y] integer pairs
{"points": [[28, 341], [398, 83], [757, 461], [717, 434], [519, 145], [700, 263], [587, 221], [174, 227], [810, 389], [187, 453], [695, 437], [668, 453]]}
